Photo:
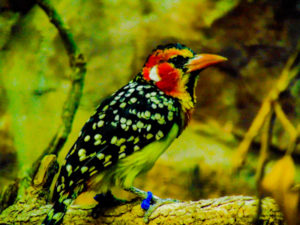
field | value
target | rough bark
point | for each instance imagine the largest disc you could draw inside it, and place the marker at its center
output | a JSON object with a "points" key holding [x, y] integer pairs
{"points": [[226, 210], [32, 208]]}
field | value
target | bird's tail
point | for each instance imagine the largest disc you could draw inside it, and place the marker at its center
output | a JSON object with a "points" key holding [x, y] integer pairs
{"points": [[56, 214]]}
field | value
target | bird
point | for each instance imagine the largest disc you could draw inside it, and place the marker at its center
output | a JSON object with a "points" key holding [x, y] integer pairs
{"points": [[132, 128]]}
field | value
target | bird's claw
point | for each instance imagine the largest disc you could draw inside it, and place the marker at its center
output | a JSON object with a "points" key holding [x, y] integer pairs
{"points": [[147, 201], [151, 203]]}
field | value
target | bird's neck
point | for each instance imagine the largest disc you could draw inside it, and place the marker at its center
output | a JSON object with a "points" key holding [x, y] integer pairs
{"points": [[186, 100], [185, 92]]}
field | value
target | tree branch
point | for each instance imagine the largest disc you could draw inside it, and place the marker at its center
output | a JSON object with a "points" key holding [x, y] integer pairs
{"points": [[263, 158], [226, 210], [78, 65], [32, 208], [288, 74]]}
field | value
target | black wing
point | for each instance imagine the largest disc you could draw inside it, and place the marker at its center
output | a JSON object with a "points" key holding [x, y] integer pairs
{"points": [[130, 119]]}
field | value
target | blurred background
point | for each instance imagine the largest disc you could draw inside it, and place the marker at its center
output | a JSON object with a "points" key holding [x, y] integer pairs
{"points": [[116, 36]]}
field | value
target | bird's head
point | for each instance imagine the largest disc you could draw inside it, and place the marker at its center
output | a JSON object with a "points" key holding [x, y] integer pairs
{"points": [[174, 69]]}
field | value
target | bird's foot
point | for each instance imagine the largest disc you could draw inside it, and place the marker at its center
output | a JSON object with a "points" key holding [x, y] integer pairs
{"points": [[150, 202], [155, 202], [105, 201]]}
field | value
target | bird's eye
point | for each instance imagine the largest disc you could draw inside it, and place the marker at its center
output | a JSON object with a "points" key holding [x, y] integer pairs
{"points": [[178, 61]]}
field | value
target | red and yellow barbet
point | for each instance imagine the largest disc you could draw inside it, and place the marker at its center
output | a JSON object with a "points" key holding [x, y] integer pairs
{"points": [[132, 127]]}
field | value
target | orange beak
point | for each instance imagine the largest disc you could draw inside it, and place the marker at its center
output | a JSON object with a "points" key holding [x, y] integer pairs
{"points": [[202, 61]]}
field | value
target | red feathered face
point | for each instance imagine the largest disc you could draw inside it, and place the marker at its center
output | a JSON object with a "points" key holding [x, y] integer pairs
{"points": [[170, 67]]}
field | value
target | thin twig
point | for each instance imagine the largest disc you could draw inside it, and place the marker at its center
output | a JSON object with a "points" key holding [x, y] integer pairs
{"points": [[64, 31], [288, 126], [255, 127], [263, 158], [288, 74], [78, 65]]}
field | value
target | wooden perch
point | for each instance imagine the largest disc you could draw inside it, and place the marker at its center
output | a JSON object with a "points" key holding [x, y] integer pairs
{"points": [[32, 209], [226, 210]]}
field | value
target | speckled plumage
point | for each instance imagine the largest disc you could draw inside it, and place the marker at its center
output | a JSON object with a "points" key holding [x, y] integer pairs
{"points": [[131, 128], [133, 117]]}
